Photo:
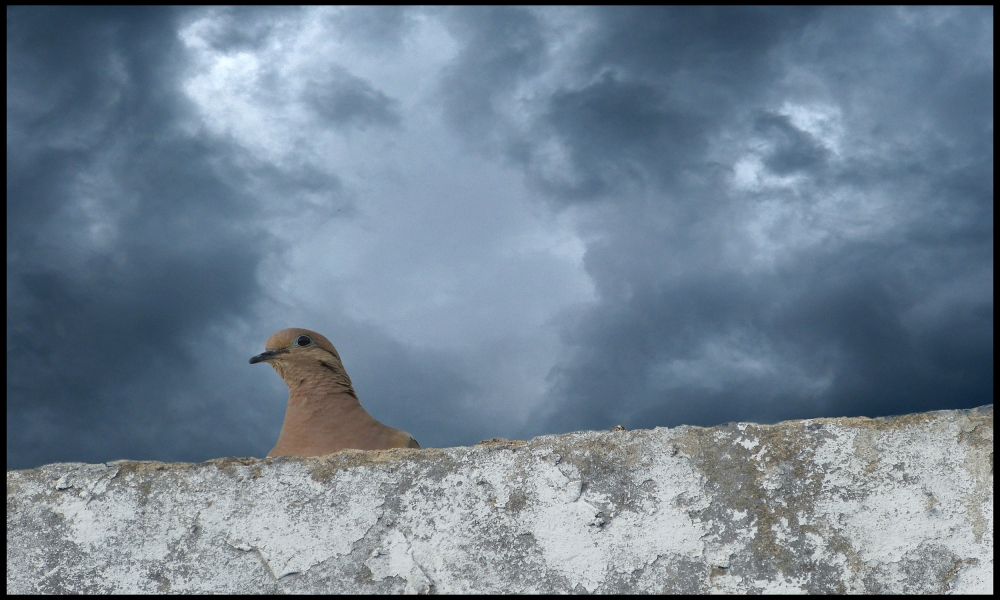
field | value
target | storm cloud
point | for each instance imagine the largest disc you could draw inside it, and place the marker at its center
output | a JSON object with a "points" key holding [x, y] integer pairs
{"points": [[510, 221]]}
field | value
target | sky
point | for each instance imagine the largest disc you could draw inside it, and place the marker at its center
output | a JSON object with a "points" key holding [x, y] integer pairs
{"points": [[509, 221]]}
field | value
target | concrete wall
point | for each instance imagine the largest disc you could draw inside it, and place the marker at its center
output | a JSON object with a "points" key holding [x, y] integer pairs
{"points": [[899, 505]]}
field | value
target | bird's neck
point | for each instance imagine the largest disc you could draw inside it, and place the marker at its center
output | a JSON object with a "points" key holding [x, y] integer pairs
{"points": [[323, 413]]}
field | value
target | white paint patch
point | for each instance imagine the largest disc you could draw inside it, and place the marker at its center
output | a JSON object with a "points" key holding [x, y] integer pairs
{"points": [[290, 524], [896, 507], [394, 558]]}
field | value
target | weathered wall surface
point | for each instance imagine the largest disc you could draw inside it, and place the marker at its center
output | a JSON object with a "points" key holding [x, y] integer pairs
{"points": [[829, 505]]}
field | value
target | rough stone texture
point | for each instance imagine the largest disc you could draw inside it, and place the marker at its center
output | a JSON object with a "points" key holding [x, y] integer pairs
{"points": [[899, 505]]}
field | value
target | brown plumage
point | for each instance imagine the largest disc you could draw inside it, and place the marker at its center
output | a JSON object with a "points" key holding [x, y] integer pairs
{"points": [[323, 414]]}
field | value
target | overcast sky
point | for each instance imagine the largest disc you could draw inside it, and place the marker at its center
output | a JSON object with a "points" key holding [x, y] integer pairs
{"points": [[510, 221]]}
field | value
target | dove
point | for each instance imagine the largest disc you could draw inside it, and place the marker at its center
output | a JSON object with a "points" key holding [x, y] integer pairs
{"points": [[324, 414]]}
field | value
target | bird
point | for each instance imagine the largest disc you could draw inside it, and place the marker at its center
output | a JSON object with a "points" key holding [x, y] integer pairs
{"points": [[324, 414]]}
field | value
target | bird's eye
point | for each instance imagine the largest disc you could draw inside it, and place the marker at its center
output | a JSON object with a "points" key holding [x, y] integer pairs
{"points": [[304, 340]]}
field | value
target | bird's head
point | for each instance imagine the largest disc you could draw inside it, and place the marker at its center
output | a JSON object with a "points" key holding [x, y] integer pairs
{"points": [[294, 348]]}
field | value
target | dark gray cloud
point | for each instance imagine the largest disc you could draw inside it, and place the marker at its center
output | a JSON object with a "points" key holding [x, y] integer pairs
{"points": [[346, 100], [792, 149], [376, 28], [615, 129], [841, 314], [682, 334], [124, 241], [501, 46], [510, 221], [243, 28]]}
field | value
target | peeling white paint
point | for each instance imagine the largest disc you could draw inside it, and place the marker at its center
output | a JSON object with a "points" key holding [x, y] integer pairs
{"points": [[828, 505], [395, 559]]}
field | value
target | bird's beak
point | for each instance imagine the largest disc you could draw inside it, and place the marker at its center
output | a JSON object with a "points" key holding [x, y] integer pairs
{"points": [[267, 355]]}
